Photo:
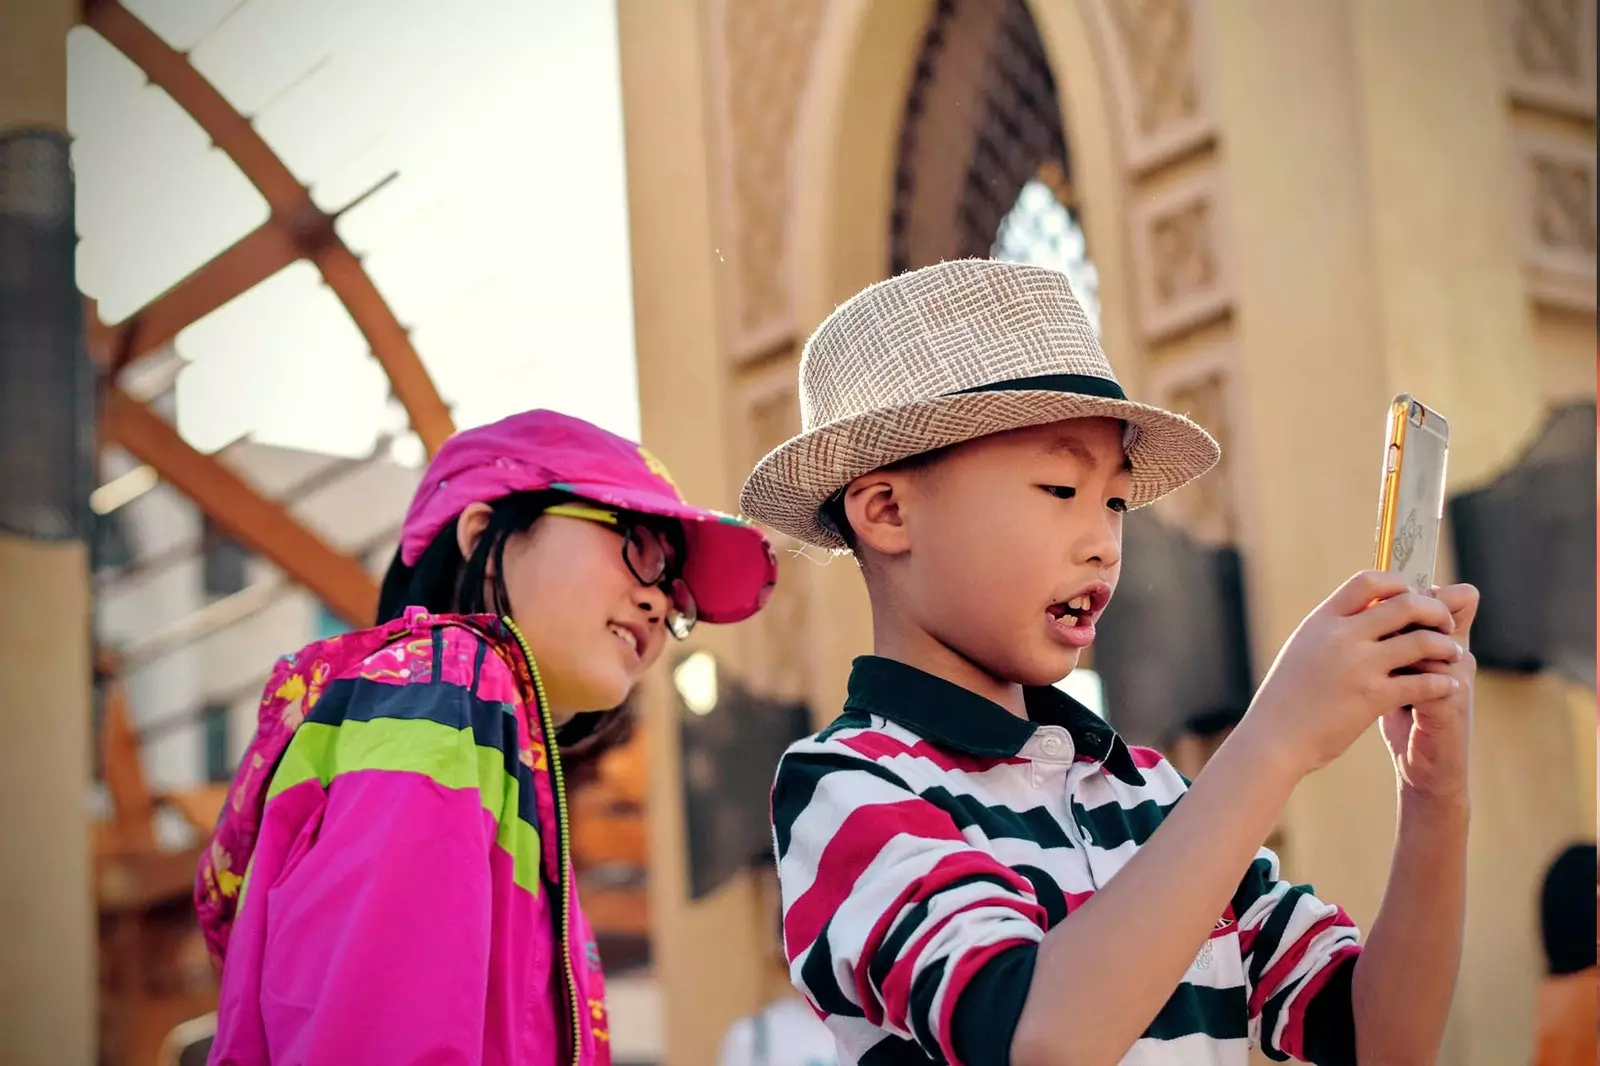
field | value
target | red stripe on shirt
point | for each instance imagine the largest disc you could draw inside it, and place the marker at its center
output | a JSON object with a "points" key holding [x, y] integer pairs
{"points": [[898, 984], [1145, 758], [1280, 970], [853, 846], [948, 870], [876, 745], [1294, 1029]]}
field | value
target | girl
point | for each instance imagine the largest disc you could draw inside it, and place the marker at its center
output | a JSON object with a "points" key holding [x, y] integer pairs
{"points": [[391, 881]]}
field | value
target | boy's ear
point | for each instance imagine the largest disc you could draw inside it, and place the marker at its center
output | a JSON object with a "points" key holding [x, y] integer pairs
{"points": [[873, 505]]}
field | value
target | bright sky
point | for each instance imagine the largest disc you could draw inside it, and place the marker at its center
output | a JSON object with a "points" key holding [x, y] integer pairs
{"points": [[502, 244]]}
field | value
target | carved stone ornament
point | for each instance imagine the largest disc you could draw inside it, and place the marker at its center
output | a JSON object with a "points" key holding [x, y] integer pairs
{"points": [[1156, 61], [1556, 204], [1200, 385], [1181, 273], [1551, 54], [760, 60]]}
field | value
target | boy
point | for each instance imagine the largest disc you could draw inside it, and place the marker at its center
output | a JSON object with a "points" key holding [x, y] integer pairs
{"points": [[974, 868]]}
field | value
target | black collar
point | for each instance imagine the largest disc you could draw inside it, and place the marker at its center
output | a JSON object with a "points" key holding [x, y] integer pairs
{"points": [[956, 718]]}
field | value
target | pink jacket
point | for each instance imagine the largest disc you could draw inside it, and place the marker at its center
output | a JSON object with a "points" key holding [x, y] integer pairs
{"points": [[390, 881]]}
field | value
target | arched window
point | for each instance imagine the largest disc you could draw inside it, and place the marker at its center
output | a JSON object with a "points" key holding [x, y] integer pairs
{"points": [[983, 166], [1040, 229]]}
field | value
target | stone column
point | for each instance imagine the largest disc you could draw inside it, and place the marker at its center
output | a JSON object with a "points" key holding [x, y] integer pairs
{"points": [[708, 956], [47, 992], [1375, 251]]}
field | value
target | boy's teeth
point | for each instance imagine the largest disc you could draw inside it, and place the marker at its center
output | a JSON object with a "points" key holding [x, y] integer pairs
{"points": [[626, 635]]}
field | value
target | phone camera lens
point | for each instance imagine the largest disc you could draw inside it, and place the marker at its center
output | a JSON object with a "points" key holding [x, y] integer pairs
{"points": [[1416, 414]]}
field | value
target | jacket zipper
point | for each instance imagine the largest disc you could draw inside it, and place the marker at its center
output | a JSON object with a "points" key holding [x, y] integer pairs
{"points": [[559, 791]]}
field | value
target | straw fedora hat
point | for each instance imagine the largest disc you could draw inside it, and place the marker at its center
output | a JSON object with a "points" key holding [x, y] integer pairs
{"points": [[947, 354]]}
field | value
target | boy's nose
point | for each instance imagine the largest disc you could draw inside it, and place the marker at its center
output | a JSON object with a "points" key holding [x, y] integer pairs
{"points": [[1102, 547]]}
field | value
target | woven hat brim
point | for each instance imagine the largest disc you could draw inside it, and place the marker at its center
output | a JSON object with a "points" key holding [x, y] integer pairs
{"points": [[789, 486]]}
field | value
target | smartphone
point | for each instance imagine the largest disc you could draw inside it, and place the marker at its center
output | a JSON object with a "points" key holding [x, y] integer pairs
{"points": [[1416, 448]]}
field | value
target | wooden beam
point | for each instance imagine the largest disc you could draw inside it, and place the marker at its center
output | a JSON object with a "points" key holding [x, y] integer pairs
{"points": [[254, 258], [260, 524], [132, 806], [293, 210]]}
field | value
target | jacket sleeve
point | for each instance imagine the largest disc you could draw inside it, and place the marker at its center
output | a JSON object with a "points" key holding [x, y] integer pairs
{"points": [[894, 927], [372, 880], [1299, 959]]}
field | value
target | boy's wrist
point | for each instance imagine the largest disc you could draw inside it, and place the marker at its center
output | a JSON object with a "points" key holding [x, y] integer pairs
{"points": [[1443, 808], [1263, 757]]}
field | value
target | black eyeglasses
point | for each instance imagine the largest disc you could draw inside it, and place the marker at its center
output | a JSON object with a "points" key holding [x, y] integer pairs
{"points": [[651, 558]]}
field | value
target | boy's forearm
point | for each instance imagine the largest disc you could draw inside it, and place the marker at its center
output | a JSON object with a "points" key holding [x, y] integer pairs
{"points": [[1407, 973], [1102, 975]]}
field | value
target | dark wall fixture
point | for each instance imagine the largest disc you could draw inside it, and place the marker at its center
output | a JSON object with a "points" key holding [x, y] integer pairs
{"points": [[1527, 540], [1173, 646], [732, 740]]}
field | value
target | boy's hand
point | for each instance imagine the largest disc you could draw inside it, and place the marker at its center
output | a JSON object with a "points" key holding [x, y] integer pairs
{"points": [[1336, 674], [1430, 739]]}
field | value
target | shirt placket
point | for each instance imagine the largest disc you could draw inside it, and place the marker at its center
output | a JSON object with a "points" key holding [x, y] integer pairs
{"points": [[1052, 757]]}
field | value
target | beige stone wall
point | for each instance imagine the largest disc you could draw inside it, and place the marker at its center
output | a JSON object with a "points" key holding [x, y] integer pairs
{"points": [[46, 916], [1296, 209]]}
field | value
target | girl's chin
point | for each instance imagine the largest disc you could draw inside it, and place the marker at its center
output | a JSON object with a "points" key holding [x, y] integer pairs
{"points": [[597, 694]]}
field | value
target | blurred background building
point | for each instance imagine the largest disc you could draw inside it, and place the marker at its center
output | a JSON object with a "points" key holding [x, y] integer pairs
{"points": [[314, 239]]}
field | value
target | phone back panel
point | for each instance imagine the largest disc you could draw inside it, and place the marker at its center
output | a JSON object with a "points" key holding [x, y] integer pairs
{"points": [[1412, 505]]}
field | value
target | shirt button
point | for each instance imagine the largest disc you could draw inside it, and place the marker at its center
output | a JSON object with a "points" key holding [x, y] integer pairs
{"points": [[1051, 745]]}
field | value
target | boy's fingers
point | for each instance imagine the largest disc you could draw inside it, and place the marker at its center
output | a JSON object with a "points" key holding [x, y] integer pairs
{"points": [[1408, 690], [1417, 647], [1356, 594], [1401, 612], [1463, 603]]}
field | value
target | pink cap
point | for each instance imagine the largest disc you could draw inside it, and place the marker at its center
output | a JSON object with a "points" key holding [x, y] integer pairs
{"points": [[729, 568]]}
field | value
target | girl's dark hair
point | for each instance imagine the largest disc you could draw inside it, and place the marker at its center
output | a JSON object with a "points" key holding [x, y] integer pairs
{"points": [[444, 582]]}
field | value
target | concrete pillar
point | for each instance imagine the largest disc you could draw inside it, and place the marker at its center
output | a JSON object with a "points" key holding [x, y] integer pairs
{"points": [[1454, 312], [47, 1011], [1369, 153], [708, 956], [1312, 374]]}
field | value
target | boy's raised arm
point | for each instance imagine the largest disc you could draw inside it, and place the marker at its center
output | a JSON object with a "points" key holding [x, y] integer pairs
{"points": [[1102, 975], [1406, 976]]}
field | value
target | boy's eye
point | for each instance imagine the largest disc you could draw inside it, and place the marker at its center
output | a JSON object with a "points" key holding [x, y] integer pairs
{"points": [[1117, 504], [1061, 492]]}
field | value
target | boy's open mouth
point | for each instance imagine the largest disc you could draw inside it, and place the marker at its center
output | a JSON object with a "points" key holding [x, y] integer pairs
{"points": [[1074, 611], [1073, 619]]}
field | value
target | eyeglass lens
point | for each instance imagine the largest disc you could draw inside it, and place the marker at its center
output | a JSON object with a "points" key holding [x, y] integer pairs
{"points": [[647, 555]]}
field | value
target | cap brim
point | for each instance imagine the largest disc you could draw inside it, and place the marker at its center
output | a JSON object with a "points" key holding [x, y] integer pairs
{"points": [[730, 569], [788, 488]]}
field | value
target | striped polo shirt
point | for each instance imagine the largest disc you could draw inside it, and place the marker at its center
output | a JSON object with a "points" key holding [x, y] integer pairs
{"points": [[928, 839]]}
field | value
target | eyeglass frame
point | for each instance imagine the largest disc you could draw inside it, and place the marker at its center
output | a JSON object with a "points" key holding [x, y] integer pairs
{"points": [[682, 612]]}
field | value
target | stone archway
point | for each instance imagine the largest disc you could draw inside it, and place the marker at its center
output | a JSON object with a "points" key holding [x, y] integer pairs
{"points": [[1132, 95]]}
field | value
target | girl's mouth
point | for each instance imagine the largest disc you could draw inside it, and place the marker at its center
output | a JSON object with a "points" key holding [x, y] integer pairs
{"points": [[627, 636]]}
